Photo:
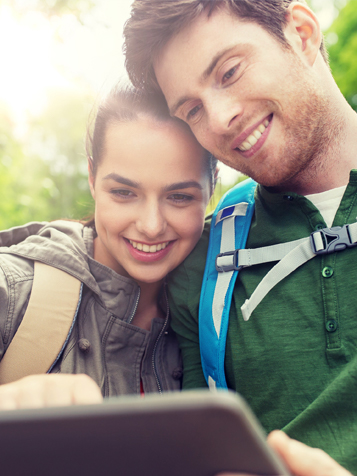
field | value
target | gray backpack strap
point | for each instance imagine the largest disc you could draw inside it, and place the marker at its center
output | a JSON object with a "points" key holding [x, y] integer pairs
{"points": [[46, 325], [289, 255]]}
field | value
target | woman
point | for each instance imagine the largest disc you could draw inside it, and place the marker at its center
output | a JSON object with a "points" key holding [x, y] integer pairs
{"points": [[151, 182]]}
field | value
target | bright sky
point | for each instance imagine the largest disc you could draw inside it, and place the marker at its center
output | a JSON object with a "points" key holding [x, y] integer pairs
{"points": [[38, 54]]}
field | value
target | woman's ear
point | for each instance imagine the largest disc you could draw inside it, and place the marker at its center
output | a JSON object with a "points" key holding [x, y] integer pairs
{"points": [[91, 176], [303, 31]]}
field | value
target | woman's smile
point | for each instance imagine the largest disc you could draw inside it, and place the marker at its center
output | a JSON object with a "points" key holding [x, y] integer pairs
{"points": [[148, 253]]}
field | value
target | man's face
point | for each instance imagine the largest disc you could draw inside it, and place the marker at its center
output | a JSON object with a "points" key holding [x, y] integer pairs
{"points": [[253, 103]]}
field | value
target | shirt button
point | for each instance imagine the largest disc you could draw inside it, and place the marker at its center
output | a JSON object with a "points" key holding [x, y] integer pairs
{"points": [[327, 272], [289, 198], [331, 325], [319, 226], [177, 373]]}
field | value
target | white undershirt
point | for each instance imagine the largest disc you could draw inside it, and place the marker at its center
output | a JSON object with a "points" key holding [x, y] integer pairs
{"points": [[328, 202]]}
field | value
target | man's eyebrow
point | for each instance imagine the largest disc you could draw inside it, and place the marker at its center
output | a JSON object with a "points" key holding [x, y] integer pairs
{"points": [[207, 72], [182, 185], [118, 178]]}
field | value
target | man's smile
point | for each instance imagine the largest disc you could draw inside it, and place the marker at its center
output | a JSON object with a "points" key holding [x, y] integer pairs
{"points": [[250, 137]]}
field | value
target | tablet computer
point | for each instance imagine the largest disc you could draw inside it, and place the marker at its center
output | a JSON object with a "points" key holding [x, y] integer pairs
{"points": [[195, 433]]}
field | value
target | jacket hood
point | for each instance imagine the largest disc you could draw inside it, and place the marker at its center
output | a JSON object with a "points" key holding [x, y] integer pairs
{"points": [[60, 244]]}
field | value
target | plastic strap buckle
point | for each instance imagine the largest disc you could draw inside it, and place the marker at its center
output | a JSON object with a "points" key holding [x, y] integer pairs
{"points": [[233, 266], [332, 239]]}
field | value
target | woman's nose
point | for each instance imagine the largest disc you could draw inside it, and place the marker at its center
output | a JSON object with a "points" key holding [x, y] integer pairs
{"points": [[151, 221]]}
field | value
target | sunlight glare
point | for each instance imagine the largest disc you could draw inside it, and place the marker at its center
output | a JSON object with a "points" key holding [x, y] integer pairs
{"points": [[26, 46]]}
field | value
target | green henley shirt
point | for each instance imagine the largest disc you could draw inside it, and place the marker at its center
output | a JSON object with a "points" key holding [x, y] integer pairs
{"points": [[295, 360]]}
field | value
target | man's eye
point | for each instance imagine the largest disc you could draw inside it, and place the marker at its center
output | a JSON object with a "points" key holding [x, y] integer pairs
{"points": [[229, 74], [193, 111]]}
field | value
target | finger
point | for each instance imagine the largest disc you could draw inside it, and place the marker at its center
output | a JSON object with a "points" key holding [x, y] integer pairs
{"points": [[86, 391], [67, 389], [29, 391], [38, 391], [58, 390], [303, 460], [8, 399]]}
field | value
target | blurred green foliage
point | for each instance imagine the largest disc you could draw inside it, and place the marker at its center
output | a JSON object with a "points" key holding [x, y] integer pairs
{"points": [[43, 176], [220, 190], [342, 45]]}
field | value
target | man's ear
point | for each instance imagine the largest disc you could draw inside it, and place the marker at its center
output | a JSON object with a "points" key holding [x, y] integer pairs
{"points": [[91, 177], [303, 31]]}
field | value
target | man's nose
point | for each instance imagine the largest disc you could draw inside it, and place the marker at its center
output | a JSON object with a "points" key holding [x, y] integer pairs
{"points": [[151, 221], [223, 110]]}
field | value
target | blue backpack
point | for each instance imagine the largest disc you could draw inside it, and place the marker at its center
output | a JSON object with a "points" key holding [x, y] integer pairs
{"points": [[227, 255], [232, 219]]}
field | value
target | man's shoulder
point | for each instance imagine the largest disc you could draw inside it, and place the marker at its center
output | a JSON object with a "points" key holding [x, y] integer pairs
{"points": [[197, 258], [193, 266]]}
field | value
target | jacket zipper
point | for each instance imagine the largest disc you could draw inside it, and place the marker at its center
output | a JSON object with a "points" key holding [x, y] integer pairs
{"points": [[153, 360], [106, 389], [135, 307]]}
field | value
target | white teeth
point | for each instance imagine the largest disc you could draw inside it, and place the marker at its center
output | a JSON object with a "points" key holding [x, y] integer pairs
{"points": [[148, 248], [254, 137], [252, 140]]}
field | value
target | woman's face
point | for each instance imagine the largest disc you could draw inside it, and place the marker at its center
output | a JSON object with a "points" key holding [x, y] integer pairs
{"points": [[151, 190]]}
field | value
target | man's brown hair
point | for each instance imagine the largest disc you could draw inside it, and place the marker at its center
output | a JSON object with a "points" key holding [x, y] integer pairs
{"points": [[154, 22]]}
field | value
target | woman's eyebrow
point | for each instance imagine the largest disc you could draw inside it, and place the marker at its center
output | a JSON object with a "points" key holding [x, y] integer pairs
{"points": [[120, 179], [181, 185]]}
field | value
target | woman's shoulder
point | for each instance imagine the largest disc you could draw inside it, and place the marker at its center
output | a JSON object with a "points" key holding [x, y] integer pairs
{"points": [[60, 244]]}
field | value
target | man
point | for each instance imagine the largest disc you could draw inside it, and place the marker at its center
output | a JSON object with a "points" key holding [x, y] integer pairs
{"points": [[251, 79]]}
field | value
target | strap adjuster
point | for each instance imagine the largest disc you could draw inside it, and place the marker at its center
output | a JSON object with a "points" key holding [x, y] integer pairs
{"points": [[329, 240], [224, 264]]}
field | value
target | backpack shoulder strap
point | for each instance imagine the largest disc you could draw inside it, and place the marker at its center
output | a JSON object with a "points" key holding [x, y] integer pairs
{"points": [[46, 325], [229, 230]]}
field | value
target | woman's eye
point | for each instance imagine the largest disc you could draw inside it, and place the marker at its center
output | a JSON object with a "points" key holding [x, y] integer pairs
{"points": [[229, 74], [180, 198], [120, 193]]}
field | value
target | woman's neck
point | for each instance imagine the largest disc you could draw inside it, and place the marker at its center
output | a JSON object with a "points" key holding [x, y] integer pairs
{"points": [[148, 306]]}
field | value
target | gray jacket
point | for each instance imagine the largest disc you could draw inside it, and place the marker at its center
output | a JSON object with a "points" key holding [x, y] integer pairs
{"points": [[103, 343]]}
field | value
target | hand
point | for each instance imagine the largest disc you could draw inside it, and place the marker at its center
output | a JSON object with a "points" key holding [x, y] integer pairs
{"points": [[303, 460], [36, 391], [300, 459]]}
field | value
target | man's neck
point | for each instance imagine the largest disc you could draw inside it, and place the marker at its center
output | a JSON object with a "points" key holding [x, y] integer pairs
{"points": [[331, 167]]}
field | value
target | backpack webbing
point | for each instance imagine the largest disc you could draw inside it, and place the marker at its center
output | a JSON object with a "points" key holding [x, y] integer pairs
{"points": [[46, 325]]}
